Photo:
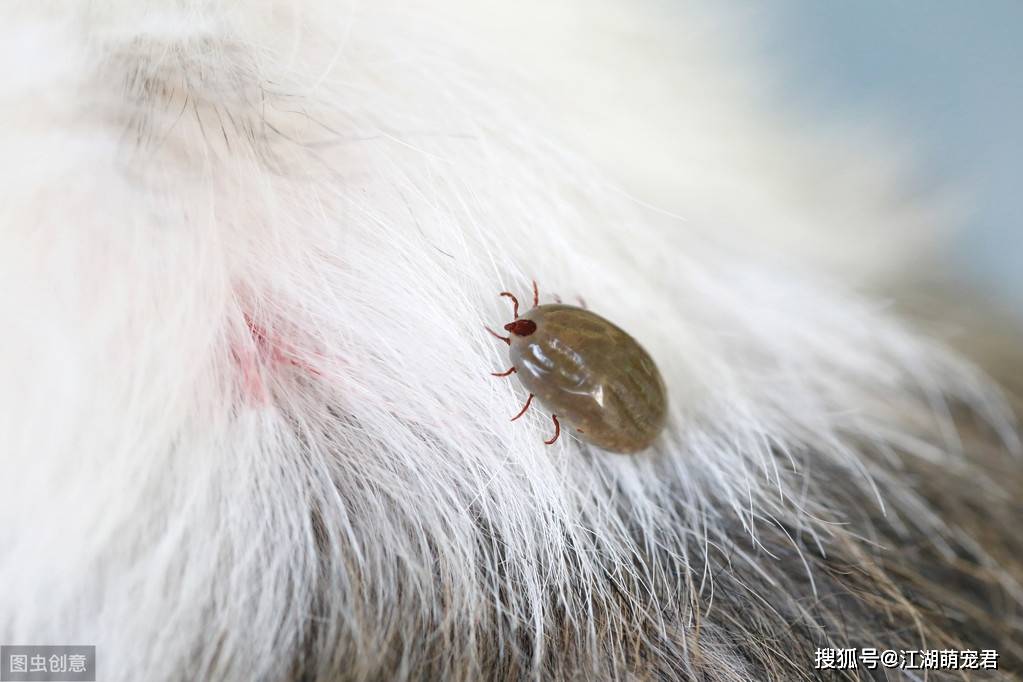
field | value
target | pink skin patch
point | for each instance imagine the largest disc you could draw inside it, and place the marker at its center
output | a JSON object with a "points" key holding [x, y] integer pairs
{"points": [[267, 353]]}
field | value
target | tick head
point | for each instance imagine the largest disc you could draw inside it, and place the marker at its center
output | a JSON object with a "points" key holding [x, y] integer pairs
{"points": [[521, 327]]}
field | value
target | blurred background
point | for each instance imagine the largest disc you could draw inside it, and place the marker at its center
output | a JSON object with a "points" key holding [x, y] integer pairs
{"points": [[948, 77], [879, 142]]}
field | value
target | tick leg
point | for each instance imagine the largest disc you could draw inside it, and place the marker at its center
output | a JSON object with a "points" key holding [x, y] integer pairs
{"points": [[524, 407], [510, 295], [557, 299], [506, 339], [582, 302], [557, 431], [502, 374], [536, 294]]}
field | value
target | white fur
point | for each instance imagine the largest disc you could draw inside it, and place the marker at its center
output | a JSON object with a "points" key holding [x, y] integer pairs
{"points": [[358, 183]]}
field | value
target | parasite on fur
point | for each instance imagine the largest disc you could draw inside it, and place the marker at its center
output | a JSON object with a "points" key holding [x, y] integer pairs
{"points": [[586, 370]]}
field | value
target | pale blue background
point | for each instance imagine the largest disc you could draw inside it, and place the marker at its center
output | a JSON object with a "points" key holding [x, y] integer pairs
{"points": [[950, 73]]}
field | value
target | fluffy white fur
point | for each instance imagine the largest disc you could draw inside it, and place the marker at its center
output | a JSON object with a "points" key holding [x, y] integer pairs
{"points": [[247, 422]]}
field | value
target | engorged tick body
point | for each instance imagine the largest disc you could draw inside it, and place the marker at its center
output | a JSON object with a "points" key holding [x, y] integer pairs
{"points": [[588, 372]]}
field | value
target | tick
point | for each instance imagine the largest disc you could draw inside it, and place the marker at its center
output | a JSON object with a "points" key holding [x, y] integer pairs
{"points": [[589, 372]]}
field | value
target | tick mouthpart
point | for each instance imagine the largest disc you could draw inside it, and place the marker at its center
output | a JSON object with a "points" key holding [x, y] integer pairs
{"points": [[521, 327]]}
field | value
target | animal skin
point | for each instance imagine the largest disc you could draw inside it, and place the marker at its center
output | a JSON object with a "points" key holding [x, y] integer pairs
{"points": [[248, 430]]}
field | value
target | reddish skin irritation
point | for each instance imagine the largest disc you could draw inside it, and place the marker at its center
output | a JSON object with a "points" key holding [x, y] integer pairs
{"points": [[279, 352], [252, 382], [253, 357]]}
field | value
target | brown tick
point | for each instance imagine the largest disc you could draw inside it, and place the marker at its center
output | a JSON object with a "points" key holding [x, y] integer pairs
{"points": [[585, 369]]}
